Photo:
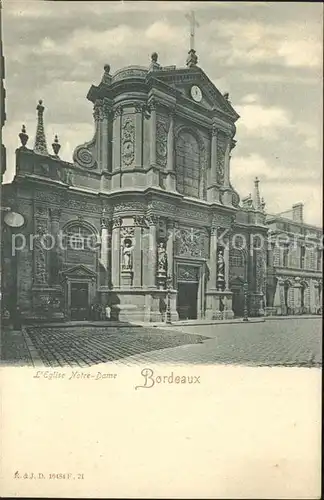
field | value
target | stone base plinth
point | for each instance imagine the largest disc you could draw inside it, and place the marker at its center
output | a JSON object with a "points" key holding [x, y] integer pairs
{"points": [[138, 304], [126, 277], [219, 305]]}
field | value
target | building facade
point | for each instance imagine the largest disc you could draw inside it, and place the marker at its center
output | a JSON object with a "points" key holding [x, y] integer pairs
{"points": [[294, 265], [151, 192]]}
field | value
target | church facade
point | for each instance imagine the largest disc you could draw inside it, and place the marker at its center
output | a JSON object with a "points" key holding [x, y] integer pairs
{"points": [[146, 206]]}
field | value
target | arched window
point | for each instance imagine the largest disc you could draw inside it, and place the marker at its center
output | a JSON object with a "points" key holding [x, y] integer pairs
{"points": [[187, 165]]}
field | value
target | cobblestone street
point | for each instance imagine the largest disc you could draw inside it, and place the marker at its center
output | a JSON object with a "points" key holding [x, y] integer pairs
{"points": [[293, 342]]}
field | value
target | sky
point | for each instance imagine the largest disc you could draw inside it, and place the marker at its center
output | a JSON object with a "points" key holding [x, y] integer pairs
{"points": [[267, 55]]}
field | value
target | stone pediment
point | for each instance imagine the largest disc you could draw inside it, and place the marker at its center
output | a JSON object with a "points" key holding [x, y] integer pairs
{"points": [[79, 271], [183, 79]]}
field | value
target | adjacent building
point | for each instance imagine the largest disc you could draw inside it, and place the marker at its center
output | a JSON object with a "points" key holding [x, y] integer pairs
{"points": [[294, 264], [152, 193]]}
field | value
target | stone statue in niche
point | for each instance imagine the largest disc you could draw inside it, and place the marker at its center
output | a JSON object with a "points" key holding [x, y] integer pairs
{"points": [[220, 263], [220, 270], [162, 259], [128, 254]]}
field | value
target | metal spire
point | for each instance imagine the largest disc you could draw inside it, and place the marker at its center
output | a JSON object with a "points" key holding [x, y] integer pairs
{"points": [[40, 139]]}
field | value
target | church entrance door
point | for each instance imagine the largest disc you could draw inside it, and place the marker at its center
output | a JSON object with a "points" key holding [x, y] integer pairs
{"points": [[236, 287], [79, 301], [187, 300]]}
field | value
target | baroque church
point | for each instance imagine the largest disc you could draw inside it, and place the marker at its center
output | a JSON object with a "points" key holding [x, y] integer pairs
{"points": [[152, 193]]}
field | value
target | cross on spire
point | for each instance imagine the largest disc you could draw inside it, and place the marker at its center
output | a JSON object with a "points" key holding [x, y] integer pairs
{"points": [[193, 24]]}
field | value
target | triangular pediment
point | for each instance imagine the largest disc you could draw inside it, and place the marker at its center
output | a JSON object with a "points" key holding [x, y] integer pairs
{"points": [[183, 79], [79, 271]]}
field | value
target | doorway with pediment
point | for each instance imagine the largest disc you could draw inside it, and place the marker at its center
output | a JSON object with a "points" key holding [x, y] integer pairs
{"points": [[190, 289], [79, 290]]}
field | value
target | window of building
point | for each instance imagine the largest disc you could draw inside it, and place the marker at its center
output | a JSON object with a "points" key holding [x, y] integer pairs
{"points": [[302, 257], [187, 165], [79, 243], [269, 258]]}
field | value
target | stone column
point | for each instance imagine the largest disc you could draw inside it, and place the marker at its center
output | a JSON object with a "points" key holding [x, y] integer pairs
{"points": [[169, 248], [104, 249], [139, 222], [297, 296], [153, 134], [171, 175], [227, 162], [279, 298], [152, 251], [212, 190], [116, 153], [227, 197], [212, 262], [139, 135], [115, 253], [101, 115], [226, 260]]}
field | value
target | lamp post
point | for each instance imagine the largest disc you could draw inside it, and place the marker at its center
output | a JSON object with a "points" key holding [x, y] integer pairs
{"points": [[245, 313], [168, 310]]}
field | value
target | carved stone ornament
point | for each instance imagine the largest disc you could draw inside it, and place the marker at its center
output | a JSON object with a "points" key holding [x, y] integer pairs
{"points": [[220, 162], [55, 214], [98, 111], [130, 206], [41, 211], [128, 140], [188, 273], [152, 220], [161, 140], [105, 223], [140, 221], [117, 222], [117, 112], [127, 232], [40, 275], [190, 242]]}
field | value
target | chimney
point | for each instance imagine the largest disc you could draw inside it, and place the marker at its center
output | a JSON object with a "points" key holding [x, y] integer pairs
{"points": [[298, 212]]}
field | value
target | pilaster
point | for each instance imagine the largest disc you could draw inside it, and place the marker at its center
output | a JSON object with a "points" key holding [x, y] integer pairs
{"points": [[139, 135], [115, 252], [213, 188], [171, 176]]}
